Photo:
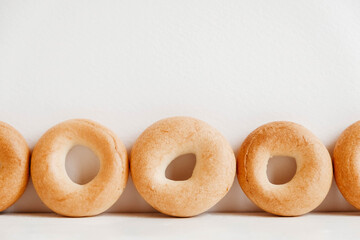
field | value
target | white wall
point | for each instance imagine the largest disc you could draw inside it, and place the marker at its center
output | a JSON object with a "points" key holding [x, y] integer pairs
{"points": [[236, 64]]}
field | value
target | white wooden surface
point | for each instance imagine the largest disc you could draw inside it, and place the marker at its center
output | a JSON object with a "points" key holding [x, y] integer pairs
{"points": [[157, 226]]}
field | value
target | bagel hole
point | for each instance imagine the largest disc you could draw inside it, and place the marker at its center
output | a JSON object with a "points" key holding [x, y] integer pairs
{"points": [[81, 164], [281, 169], [181, 168]]}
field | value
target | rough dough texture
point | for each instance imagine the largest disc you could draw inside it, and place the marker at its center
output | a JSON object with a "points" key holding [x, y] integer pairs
{"points": [[54, 186], [347, 164], [311, 183], [169, 138], [14, 165]]}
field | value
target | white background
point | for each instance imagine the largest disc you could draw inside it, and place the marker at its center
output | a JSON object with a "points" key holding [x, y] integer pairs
{"points": [[126, 64]]}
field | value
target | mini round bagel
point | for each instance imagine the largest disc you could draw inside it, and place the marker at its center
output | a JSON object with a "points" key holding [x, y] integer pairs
{"points": [[169, 138], [311, 182], [14, 165], [52, 182], [347, 164]]}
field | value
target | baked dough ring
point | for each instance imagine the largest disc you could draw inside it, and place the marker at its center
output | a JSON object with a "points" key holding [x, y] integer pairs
{"points": [[347, 164], [14, 165], [169, 138], [311, 183], [53, 184]]}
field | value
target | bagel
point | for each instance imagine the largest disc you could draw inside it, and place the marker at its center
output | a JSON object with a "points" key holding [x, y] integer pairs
{"points": [[14, 165], [52, 183], [311, 182], [169, 138], [346, 164]]}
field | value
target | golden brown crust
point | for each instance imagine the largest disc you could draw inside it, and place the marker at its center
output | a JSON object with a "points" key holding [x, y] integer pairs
{"points": [[54, 186], [313, 177], [162, 142], [347, 164], [14, 165]]}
